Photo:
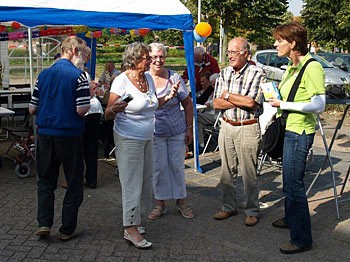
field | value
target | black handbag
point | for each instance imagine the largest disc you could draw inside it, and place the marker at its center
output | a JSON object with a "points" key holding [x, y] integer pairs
{"points": [[336, 92], [273, 138]]}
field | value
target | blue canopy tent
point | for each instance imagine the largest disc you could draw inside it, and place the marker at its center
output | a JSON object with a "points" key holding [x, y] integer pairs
{"points": [[126, 14]]}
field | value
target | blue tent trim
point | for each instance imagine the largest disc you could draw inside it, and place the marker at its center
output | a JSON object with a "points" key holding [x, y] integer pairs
{"points": [[51, 16]]}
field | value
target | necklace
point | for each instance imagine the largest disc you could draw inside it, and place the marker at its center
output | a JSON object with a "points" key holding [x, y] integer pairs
{"points": [[141, 82]]}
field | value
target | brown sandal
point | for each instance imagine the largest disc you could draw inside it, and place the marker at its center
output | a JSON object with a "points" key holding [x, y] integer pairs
{"points": [[157, 212]]}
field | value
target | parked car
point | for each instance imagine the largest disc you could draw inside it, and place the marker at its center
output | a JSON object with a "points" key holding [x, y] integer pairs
{"points": [[338, 59], [274, 66]]}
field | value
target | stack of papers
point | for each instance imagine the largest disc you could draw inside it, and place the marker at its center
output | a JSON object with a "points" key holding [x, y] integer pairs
{"points": [[270, 90]]}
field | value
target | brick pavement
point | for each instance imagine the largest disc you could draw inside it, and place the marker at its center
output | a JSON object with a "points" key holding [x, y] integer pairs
{"points": [[174, 238]]}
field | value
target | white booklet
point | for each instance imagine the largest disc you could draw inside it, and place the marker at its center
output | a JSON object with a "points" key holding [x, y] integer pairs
{"points": [[270, 90]]}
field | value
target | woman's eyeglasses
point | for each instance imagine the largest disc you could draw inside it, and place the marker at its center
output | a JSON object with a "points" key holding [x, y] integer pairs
{"points": [[147, 58], [155, 57]]}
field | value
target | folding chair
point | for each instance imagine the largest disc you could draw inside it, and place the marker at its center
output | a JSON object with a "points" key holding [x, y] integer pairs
{"points": [[4, 103], [20, 107], [264, 120], [212, 130]]}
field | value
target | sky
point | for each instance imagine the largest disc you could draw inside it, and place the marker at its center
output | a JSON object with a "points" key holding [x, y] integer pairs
{"points": [[295, 6]]}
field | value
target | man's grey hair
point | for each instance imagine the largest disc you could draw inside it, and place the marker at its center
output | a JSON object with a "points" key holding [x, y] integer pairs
{"points": [[199, 50]]}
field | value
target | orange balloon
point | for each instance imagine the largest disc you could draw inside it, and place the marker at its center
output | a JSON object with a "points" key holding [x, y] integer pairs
{"points": [[203, 29]]}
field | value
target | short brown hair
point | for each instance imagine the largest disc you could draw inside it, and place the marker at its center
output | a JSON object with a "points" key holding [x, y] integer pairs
{"points": [[293, 31]]}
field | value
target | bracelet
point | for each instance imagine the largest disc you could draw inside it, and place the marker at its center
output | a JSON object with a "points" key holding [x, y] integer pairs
{"points": [[114, 113]]}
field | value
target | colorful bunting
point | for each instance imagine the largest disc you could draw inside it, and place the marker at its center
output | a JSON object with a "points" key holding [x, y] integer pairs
{"points": [[11, 33]]}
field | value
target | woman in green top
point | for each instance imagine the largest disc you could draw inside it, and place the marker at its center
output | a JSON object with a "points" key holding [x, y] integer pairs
{"points": [[291, 41]]}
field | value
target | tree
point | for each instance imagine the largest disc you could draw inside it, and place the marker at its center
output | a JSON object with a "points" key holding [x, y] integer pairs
{"points": [[252, 19], [327, 22]]}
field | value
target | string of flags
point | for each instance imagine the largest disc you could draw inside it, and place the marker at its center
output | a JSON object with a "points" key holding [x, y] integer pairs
{"points": [[16, 32]]}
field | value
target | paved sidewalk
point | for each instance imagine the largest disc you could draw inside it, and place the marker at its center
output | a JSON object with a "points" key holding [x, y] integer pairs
{"points": [[174, 237]]}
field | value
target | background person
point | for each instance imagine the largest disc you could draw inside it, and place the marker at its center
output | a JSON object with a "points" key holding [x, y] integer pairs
{"points": [[203, 62], [173, 131], [239, 139], [208, 116], [105, 82], [133, 136], [60, 100], [291, 41], [207, 90], [108, 75], [92, 123]]}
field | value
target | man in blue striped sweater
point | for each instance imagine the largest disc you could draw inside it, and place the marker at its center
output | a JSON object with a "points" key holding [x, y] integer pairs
{"points": [[60, 100]]}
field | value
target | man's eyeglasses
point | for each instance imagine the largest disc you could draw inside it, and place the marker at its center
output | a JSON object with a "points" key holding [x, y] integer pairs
{"points": [[155, 57], [235, 53]]}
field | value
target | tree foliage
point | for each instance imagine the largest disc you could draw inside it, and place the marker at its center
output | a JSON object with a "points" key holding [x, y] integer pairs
{"points": [[327, 22], [252, 19]]}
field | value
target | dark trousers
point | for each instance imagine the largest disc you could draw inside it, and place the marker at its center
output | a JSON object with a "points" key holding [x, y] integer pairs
{"points": [[52, 151], [108, 133], [92, 125], [297, 216]]}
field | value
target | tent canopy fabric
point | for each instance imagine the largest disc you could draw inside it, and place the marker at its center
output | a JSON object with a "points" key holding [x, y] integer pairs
{"points": [[124, 14], [131, 14]]}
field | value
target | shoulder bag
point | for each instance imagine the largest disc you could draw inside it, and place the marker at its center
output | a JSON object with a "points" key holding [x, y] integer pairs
{"points": [[273, 138]]}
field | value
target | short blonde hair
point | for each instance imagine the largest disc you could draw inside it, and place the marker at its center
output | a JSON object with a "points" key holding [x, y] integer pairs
{"points": [[72, 42]]}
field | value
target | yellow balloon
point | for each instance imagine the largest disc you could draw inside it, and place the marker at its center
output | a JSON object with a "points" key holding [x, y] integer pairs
{"points": [[203, 29]]}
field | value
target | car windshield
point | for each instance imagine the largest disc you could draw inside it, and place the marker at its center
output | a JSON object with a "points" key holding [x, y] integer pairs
{"points": [[322, 61], [340, 60]]}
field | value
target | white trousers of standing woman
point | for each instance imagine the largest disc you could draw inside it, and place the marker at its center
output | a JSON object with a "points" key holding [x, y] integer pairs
{"points": [[135, 165]]}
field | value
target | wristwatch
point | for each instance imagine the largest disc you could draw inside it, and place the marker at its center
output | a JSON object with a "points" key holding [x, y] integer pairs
{"points": [[227, 96]]}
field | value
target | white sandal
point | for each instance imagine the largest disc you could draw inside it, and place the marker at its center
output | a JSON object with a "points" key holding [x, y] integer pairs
{"points": [[185, 211], [157, 212]]}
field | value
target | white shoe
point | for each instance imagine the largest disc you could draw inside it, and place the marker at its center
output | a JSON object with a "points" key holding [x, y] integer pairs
{"points": [[143, 244]]}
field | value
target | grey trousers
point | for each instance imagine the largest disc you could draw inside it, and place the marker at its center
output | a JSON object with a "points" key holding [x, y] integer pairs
{"points": [[135, 164], [203, 120], [239, 150]]}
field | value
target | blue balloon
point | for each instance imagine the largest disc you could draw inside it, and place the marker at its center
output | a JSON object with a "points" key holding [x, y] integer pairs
{"points": [[198, 38]]}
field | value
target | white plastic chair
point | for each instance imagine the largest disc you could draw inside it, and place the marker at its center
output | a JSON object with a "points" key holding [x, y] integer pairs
{"points": [[212, 130]]}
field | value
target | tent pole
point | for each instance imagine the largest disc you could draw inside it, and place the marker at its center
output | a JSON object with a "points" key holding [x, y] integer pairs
{"points": [[31, 73], [189, 52], [30, 47]]}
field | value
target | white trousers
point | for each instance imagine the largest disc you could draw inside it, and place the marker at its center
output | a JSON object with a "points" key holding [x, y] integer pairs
{"points": [[169, 165], [135, 164]]}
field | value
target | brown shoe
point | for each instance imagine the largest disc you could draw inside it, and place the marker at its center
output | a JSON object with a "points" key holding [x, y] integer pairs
{"points": [[224, 214], [251, 221], [279, 223], [65, 237], [43, 232], [289, 248]]}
